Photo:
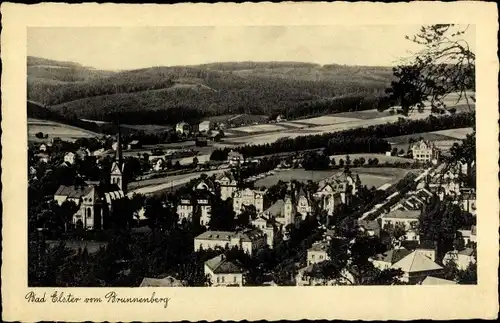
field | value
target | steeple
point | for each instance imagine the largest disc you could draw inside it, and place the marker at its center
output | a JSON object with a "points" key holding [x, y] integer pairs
{"points": [[116, 175], [118, 155]]}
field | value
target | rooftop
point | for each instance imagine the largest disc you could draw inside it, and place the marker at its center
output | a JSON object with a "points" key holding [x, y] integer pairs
{"points": [[161, 282], [429, 280], [220, 265], [276, 209], [393, 256], [416, 262], [402, 214], [319, 246]]}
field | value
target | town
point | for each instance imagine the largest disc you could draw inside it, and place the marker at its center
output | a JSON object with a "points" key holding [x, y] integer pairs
{"points": [[364, 192]]}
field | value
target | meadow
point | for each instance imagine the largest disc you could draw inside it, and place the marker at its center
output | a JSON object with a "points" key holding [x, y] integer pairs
{"points": [[56, 130]]}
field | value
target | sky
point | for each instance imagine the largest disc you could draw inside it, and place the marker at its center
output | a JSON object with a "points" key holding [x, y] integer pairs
{"points": [[139, 47]]}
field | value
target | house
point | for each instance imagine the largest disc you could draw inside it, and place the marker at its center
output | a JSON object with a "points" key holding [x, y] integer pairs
{"points": [[336, 190], [134, 144], [429, 280], [227, 185], [248, 240], [183, 128], [43, 157], [158, 164], [462, 258], [83, 153], [409, 220], [269, 227], [389, 258], [371, 228], [304, 278], [280, 118], [222, 272], [418, 265], [234, 158], [424, 151], [43, 147], [469, 202], [317, 253], [248, 197], [196, 206], [69, 158], [414, 202], [215, 136], [205, 126], [168, 281], [469, 235], [99, 152]]}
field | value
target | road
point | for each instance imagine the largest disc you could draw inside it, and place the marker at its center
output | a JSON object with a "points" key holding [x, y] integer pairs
{"points": [[172, 181]]}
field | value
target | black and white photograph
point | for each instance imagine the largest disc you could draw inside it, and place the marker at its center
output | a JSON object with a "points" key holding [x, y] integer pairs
{"points": [[297, 156], [326, 161]]}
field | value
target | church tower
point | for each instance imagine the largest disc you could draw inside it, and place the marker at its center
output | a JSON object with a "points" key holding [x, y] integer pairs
{"points": [[117, 168]]}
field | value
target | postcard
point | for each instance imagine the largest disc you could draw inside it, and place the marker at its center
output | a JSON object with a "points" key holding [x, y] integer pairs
{"points": [[255, 161]]}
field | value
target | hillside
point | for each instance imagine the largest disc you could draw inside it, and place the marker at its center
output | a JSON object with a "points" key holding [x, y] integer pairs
{"points": [[170, 94]]}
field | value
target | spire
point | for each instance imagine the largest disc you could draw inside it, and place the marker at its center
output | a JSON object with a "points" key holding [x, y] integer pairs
{"points": [[119, 157]]}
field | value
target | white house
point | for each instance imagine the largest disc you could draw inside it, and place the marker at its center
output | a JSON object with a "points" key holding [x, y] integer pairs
{"points": [[249, 240], [409, 220], [234, 158], [283, 212], [182, 128], [269, 227], [205, 126], [248, 197], [462, 258], [317, 253], [222, 272], [424, 151], [227, 184], [69, 158]]}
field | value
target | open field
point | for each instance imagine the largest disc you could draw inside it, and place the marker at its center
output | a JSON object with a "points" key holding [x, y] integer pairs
{"points": [[259, 128], [365, 114], [325, 120], [381, 158], [376, 176], [55, 129], [459, 133]]}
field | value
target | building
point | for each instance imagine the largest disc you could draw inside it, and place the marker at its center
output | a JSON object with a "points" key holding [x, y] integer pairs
{"points": [[168, 281], [304, 278], [43, 157], [371, 228], [469, 202], [248, 240], [429, 280], [43, 147], [270, 229], [183, 128], [317, 253], [248, 197], [304, 203], [462, 258], [94, 202], [227, 185], [469, 236], [195, 207], [389, 258], [424, 151], [283, 212], [117, 175], [409, 220], [222, 272], [234, 158], [205, 126], [336, 190], [417, 265], [158, 164], [134, 144], [201, 141], [69, 158], [414, 202]]}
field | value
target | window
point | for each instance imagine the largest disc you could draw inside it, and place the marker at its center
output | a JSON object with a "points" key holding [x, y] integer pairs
{"points": [[218, 279], [89, 213], [235, 279], [222, 279], [312, 256], [320, 257]]}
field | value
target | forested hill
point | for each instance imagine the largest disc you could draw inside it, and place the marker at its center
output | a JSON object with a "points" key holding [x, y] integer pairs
{"points": [[168, 94]]}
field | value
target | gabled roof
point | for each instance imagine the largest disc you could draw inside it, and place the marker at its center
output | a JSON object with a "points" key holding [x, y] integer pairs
{"points": [[416, 262], [74, 191], [393, 256], [220, 265], [429, 280], [163, 282], [402, 214], [467, 252], [276, 209], [319, 246], [224, 175]]}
